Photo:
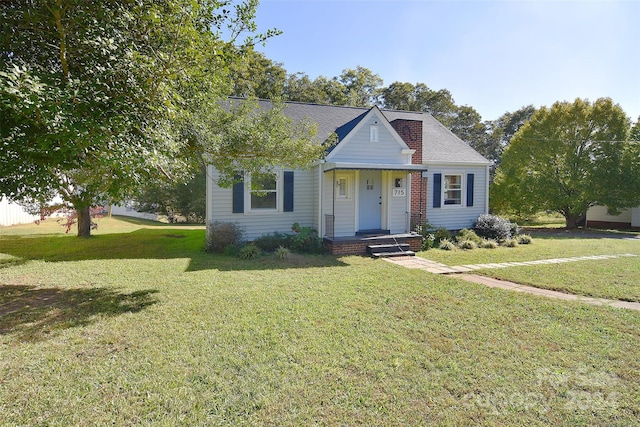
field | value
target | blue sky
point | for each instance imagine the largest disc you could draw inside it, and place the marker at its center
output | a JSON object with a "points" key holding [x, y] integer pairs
{"points": [[495, 56]]}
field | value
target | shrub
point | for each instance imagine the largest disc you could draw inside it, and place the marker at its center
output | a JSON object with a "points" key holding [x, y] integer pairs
{"points": [[488, 244], [249, 251], [440, 234], [470, 235], [282, 252], [272, 241], [428, 237], [231, 250], [446, 245], [306, 240], [510, 243], [524, 239], [493, 227], [223, 234], [467, 244]]}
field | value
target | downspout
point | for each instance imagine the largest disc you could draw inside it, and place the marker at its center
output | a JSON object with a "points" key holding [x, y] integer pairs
{"points": [[321, 227]]}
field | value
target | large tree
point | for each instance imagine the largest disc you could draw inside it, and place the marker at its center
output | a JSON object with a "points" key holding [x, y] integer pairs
{"points": [[501, 130], [98, 97], [567, 158]]}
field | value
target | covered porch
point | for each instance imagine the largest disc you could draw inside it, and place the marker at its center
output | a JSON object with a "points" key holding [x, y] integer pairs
{"points": [[366, 208]]}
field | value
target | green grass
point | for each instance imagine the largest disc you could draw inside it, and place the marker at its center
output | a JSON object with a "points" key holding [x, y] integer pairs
{"points": [[612, 278], [144, 328]]}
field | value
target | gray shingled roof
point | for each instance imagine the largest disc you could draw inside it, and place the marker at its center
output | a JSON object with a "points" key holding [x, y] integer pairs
{"points": [[439, 143]]}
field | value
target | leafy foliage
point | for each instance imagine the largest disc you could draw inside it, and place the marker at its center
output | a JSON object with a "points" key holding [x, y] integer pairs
{"points": [[493, 227], [567, 158], [249, 251], [97, 99], [221, 235]]}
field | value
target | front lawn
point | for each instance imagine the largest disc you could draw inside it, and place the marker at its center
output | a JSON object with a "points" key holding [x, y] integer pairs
{"points": [[146, 328], [617, 278]]}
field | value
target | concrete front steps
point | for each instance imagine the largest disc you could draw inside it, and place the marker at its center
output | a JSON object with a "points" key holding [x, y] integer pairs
{"points": [[390, 250]]}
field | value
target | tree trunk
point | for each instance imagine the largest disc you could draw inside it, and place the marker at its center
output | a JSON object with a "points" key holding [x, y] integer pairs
{"points": [[84, 221], [571, 220]]}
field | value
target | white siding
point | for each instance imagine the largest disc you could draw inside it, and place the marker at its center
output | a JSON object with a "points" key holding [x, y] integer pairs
{"points": [[626, 216], [255, 224], [129, 211], [458, 217], [344, 210], [359, 149], [12, 214]]}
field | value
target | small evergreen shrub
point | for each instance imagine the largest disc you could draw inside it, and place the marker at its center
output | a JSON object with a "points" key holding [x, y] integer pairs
{"points": [[488, 244], [510, 243], [524, 239], [282, 252], [470, 235], [249, 251], [467, 244], [272, 241], [447, 245], [223, 234], [493, 227]]}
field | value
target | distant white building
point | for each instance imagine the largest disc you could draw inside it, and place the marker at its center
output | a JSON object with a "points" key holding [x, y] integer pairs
{"points": [[597, 216], [13, 214], [127, 210]]}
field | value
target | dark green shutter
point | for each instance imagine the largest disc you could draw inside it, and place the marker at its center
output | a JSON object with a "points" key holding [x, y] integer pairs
{"points": [[437, 189], [288, 192], [469, 189], [238, 194]]}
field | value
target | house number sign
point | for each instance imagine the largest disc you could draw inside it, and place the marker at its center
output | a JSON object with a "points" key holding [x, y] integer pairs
{"points": [[399, 192]]}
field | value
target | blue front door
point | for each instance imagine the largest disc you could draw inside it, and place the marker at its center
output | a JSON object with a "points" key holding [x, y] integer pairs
{"points": [[370, 200]]}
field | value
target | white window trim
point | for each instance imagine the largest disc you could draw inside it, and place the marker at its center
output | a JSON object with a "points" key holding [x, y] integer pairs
{"points": [[279, 196], [374, 134], [443, 190]]}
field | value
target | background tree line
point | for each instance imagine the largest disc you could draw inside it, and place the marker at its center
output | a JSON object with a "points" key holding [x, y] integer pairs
{"points": [[102, 102]]}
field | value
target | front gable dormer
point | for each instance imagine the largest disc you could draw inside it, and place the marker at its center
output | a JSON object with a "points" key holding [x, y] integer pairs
{"points": [[370, 138]]}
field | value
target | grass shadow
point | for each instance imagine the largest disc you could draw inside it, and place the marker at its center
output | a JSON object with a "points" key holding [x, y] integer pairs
{"points": [[158, 243], [33, 313]]}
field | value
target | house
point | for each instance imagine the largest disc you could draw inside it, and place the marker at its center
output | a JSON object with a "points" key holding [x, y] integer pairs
{"points": [[597, 216], [387, 172], [13, 214]]}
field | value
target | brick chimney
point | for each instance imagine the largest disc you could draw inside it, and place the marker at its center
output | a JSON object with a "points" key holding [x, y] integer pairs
{"points": [[411, 132]]}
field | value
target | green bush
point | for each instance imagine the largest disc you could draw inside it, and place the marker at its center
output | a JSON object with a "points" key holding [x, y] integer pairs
{"points": [[494, 227], [282, 252], [231, 250], [306, 240], [447, 245], [249, 251], [510, 243], [220, 235], [466, 234], [272, 241], [488, 244], [440, 234], [524, 239], [428, 237], [467, 244]]}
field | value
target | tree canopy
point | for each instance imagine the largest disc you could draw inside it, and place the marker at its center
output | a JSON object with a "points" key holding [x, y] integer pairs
{"points": [[567, 158], [97, 98]]}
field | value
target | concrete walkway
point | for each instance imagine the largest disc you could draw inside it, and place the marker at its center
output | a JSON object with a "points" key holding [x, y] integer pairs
{"points": [[439, 268]]}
